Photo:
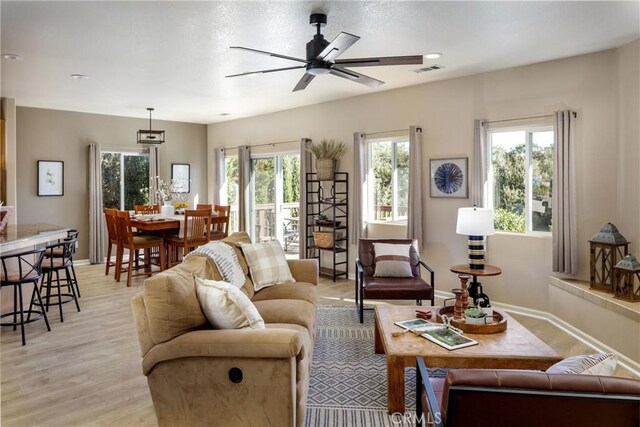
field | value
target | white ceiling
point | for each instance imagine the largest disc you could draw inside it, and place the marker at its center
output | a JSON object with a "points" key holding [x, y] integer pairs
{"points": [[174, 55]]}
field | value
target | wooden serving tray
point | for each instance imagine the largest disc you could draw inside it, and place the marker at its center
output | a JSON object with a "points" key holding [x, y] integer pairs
{"points": [[499, 323]]}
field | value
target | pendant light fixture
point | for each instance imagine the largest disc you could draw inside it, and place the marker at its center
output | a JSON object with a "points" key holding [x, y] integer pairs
{"points": [[150, 136]]}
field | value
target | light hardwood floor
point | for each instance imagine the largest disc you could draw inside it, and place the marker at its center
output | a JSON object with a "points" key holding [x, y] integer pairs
{"points": [[87, 370]]}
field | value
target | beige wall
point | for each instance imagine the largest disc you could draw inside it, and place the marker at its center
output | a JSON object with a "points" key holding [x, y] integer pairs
{"points": [[446, 109], [8, 114], [63, 135]]}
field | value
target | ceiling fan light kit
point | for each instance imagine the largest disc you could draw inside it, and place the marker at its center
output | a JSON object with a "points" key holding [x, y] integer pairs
{"points": [[150, 136], [322, 58]]}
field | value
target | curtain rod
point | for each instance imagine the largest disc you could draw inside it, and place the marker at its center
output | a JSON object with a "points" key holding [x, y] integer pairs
{"points": [[386, 131], [525, 118], [273, 144]]}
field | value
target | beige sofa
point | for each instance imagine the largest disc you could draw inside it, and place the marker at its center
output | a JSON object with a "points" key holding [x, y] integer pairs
{"points": [[198, 376]]}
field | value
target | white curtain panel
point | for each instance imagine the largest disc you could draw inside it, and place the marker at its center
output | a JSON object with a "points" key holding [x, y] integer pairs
{"points": [[96, 221], [415, 212], [479, 181], [244, 181], [359, 216], [219, 177], [564, 228], [305, 167], [154, 172]]}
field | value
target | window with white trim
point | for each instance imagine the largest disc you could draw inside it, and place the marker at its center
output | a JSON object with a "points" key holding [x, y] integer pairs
{"points": [[521, 178], [388, 178], [125, 179]]}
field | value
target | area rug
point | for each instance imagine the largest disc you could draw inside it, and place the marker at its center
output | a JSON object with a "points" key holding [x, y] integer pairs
{"points": [[348, 384]]}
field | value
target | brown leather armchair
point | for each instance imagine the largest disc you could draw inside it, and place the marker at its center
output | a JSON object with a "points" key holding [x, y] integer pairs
{"points": [[390, 288], [497, 398]]}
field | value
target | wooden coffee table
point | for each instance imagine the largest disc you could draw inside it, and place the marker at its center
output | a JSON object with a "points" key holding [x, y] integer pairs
{"points": [[516, 348]]}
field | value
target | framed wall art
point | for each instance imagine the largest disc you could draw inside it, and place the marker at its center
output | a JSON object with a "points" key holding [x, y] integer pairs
{"points": [[181, 177], [449, 177], [50, 178]]}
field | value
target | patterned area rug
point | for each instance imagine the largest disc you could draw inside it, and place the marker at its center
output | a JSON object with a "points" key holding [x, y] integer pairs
{"points": [[348, 380]]}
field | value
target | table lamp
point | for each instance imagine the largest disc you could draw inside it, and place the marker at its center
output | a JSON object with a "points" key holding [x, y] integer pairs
{"points": [[476, 223]]}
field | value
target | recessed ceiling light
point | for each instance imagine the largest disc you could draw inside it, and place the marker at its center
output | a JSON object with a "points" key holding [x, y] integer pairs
{"points": [[79, 76], [433, 55], [224, 114], [11, 56]]}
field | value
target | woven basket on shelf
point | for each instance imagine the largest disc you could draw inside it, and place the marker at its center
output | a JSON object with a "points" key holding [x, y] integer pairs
{"points": [[325, 169], [323, 239]]}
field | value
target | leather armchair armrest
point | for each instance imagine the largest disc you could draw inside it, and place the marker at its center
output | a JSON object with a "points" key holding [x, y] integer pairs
{"points": [[422, 381], [304, 270], [431, 274], [241, 343]]}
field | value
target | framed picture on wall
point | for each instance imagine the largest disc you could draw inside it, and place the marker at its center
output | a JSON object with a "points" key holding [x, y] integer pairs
{"points": [[50, 178], [181, 177], [449, 177]]}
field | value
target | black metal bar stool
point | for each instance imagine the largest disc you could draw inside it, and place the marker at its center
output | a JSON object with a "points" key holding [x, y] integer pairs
{"points": [[55, 264], [58, 252], [17, 270]]}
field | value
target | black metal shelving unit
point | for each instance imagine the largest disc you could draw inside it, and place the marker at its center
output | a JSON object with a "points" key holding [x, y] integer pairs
{"points": [[331, 199]]}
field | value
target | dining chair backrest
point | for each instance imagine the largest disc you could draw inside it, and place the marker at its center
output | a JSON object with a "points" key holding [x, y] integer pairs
{"points": [[27, 264], [146, 209], [124, 228], [203, 206], [112, 228], [196, 226], [222, 226]]}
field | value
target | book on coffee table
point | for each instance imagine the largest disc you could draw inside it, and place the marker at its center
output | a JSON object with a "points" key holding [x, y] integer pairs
{"points": [[449, 339]]}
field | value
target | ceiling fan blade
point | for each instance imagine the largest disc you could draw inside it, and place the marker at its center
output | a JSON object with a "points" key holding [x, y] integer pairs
{"points": [[355, 77], [386, 60], [264, 52], [337, 47], [304, 82], [266, 71]]}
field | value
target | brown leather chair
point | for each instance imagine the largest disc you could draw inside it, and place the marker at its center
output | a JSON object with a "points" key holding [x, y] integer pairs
{"points": [[504, 398], [390, 288]]}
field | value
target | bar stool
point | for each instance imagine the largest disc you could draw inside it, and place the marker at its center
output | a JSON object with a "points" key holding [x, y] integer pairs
{"points": [[54, 264], [57, 253], [17, 270]]}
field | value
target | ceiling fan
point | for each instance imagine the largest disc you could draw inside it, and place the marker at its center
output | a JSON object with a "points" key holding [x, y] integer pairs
{"points": [[322, 58]]}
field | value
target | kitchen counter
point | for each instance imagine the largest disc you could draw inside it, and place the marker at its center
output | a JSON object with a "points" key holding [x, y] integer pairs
{"points": [[23, 236]]}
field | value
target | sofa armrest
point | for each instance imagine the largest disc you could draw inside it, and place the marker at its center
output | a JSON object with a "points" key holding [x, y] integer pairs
{"points": [[241, 343], [304, 270]]}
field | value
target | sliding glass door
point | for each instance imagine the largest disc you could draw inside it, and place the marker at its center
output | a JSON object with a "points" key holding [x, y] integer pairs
{"points": [[275, 199]]}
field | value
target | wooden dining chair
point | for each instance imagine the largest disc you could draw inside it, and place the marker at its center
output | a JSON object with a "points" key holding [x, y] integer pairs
{"points": [[112, 237], [146, 209], [220, 223], [204, 206], [127, 240], [195, 232]]}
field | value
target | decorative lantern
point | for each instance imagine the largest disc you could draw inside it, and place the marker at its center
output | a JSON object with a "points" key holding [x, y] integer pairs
{"points": [[607, 247], [626, 273]]}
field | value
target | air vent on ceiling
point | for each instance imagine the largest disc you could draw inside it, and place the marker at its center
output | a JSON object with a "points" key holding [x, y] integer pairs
{"points": [[430, 68]]}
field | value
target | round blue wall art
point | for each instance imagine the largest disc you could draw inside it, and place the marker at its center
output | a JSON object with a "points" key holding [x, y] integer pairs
{"points": [[448, 178]]}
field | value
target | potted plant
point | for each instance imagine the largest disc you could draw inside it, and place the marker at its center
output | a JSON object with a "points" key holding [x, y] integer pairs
{"points": [[327, 153], [322, 219], [474, 316]]}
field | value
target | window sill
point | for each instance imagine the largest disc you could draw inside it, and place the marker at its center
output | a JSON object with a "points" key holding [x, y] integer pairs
{"points": [[401, 223], [536, 234]]}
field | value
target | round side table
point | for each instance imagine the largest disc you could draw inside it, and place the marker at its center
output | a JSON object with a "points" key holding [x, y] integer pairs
{"points": [[475, 287]]}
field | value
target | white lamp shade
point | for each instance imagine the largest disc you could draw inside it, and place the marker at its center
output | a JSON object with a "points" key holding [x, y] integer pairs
{"points": [[475, 222]]}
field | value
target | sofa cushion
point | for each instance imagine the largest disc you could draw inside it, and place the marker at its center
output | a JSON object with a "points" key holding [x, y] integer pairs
{"points": [[292, 311], [295, 290], [267, 264], [593, 364], [225, 307], [170, 299], [392, 260]]}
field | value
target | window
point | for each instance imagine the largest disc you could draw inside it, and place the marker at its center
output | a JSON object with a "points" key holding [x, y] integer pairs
{"points": [[520, 174], [388, 178], [125, 179], [231, 171]]}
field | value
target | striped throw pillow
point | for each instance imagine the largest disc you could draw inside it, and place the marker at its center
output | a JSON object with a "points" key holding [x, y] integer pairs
{"points": [[267, 264], [592, 364], [392, 260]]}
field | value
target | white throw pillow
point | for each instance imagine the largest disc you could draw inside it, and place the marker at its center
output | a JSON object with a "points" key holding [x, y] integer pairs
{"points": [[392, 260], [267, 264], [225, 306], [592, 364]]}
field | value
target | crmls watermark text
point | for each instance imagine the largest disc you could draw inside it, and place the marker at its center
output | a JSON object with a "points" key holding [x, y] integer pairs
{"points": [[410, 419]]}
